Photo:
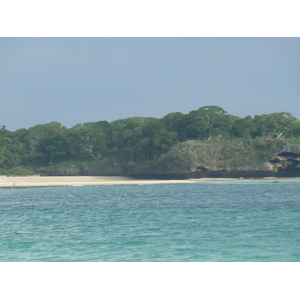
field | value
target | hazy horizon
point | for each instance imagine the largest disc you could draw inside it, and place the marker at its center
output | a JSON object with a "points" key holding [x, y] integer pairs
{"points": [[77, 80]]}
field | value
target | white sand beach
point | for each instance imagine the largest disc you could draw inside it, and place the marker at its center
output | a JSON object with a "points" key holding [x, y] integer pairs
{"points": [[47, 181]]}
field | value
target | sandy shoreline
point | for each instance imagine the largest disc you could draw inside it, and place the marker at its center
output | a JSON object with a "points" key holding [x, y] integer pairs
{"points": [[48, 181]]}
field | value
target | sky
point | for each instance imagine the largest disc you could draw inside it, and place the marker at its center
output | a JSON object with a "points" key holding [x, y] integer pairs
{"points": [[77, 80]]}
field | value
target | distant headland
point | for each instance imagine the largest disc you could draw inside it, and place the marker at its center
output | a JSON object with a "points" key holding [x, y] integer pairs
{"points": [[204, 143]]}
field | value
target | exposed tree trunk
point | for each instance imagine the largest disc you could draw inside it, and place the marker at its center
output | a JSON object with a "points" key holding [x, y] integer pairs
{"points": [[279, 135]]}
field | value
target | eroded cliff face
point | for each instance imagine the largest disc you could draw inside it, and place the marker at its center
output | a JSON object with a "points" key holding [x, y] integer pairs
{"points": [[215, 156], [282, 161], [195, 159], [237, 158], [285, 161], [286, 164]]}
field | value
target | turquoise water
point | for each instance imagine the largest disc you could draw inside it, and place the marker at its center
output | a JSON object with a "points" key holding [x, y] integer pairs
{"points": [[204, 221]]}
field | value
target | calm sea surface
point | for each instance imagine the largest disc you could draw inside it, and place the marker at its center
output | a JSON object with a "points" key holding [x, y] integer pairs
{"points": [[206, 221]]}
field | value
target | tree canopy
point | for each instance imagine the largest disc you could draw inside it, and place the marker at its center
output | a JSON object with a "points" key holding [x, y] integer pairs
{"points": [[135, 139]]}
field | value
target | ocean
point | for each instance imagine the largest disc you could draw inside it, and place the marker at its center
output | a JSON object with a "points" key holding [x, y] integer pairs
{"points": [[219, 221]]}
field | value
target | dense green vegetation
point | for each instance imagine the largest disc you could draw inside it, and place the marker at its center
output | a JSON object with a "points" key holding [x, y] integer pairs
{"points": [[177, 142]]}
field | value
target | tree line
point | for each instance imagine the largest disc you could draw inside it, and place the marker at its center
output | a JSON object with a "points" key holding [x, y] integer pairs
{"points": [[140, 138]]}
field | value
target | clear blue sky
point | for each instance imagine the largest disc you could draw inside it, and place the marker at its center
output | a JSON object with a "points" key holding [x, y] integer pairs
{"points": [[76, 80]]}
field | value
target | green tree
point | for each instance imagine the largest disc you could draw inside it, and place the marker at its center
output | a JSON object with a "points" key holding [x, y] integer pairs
{"points": [[4, 142], [53, 146], [212, 122], [242, 128], [273, 125], [92, 137]]}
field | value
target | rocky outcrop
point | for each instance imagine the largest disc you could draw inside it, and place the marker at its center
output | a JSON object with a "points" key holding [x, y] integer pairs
{"points": [[197, 159], [285, 161], [255, 158]]}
